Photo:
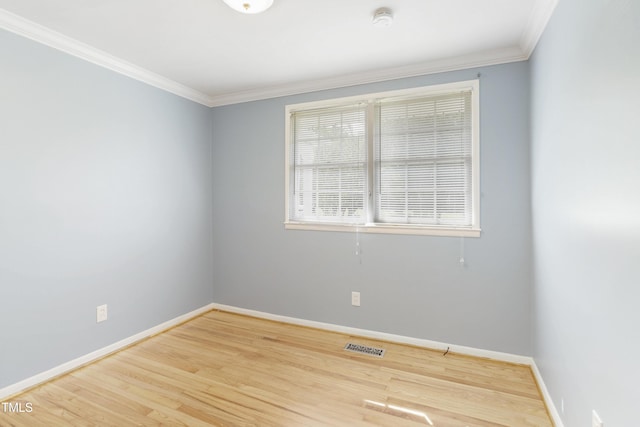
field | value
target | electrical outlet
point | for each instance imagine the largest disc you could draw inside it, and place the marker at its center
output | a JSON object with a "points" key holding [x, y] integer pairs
{"points": [[355, 299], [595, 420], [101, 313]]}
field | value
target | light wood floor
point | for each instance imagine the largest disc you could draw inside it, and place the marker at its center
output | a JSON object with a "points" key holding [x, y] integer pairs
{"points": [[224, 369]]}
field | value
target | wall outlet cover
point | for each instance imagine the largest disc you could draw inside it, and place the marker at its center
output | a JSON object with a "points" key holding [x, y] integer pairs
{"points": [[101, 313], [355, 299]]}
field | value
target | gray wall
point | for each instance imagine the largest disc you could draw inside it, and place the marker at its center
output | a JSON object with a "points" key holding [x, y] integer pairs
{"points": [[410, 285], [586, 209], [105, 198]]}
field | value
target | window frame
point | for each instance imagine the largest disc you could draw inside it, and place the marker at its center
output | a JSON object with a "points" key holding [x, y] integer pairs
{"points": [[388, 228]]}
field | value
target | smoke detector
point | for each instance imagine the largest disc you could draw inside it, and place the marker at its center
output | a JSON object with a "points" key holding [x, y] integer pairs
{"points": [[249, 6], [382, 17]]}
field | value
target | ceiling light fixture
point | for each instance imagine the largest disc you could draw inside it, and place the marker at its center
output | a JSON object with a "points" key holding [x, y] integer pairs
{"points": [[249, 6], [382, 17]]}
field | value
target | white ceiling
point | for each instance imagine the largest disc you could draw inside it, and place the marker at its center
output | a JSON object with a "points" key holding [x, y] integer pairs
{"points": [[205, 51]]}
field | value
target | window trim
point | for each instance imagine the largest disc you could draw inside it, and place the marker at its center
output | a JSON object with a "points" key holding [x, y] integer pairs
{"points": [[387, 228]]}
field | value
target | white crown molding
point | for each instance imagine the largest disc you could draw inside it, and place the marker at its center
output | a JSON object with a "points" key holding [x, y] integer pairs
{"points": [[482, 59], [23, 27], [538, 21], [536, 25]]}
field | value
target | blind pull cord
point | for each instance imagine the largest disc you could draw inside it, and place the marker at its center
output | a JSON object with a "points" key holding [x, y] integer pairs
{"points": [[358, 249]]}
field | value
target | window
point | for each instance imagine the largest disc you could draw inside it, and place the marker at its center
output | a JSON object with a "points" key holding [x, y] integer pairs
{"points": [[394, 162]]}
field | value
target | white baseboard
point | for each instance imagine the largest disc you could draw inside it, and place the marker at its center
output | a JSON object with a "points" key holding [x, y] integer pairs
{"points": [[496, 355], [553, 412], [88, 358], [470, 351]]}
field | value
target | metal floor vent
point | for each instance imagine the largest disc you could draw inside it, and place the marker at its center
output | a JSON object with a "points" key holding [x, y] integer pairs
{"points": [[364, 349]]}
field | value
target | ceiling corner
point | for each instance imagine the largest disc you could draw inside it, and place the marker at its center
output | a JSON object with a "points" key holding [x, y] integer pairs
{"points": [[538, 20], [38, 33]]}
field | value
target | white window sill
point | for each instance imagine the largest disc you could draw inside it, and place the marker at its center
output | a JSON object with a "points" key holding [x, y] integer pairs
{"points": [[385, 229]]}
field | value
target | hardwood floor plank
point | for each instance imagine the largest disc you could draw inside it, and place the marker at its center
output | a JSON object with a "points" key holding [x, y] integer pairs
{"points": [[224, 369]]}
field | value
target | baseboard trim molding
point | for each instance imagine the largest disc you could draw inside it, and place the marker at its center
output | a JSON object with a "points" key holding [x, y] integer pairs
{"points": [[66, 367], [470, 351], [551, 407]]}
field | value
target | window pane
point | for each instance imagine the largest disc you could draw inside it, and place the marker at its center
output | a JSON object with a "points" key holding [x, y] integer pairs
{"points": [[385, 160], [329, 151], [423, 161]]}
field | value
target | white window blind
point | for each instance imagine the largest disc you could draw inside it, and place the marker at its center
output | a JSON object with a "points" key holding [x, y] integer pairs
{"points": [[423, 161], [396, 162], [329, 151]]}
